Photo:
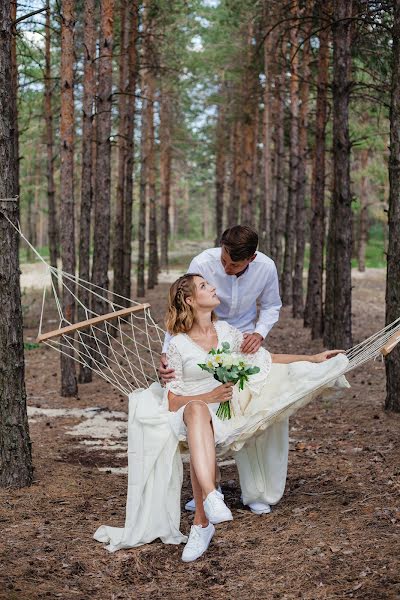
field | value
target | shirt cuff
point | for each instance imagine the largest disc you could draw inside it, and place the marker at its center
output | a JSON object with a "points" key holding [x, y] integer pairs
{"points": [[262, 329]]}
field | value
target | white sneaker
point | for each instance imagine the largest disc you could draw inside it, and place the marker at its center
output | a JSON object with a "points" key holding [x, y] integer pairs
{"points": [[191, 505], [198, 542], [259, 508], [215, 508]]}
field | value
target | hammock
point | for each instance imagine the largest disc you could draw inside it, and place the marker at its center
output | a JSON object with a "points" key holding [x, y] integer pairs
{"points": [[123, 346]]}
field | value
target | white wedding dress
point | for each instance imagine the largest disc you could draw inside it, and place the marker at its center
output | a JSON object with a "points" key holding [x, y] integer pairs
{"points": [[257, 433]]}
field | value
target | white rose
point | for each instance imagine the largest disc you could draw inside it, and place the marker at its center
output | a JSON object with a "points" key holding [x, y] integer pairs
{"points": [[236, 359], [227, 360]]}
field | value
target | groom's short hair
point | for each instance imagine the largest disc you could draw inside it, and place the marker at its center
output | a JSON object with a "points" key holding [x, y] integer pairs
{"points": [[240, 242]]}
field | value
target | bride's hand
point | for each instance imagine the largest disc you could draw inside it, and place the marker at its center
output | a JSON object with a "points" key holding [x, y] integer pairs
{"points": [[222, 393], [326, 355]]}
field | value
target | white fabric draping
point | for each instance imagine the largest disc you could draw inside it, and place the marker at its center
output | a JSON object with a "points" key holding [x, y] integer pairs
{"points": [[257, 434]]}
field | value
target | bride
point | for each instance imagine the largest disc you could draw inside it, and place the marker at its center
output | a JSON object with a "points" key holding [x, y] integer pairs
{"points": [[186, 411]]}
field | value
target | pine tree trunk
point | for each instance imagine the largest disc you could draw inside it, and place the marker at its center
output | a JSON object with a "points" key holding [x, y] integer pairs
{"points": [[152, 278], [101, 247], [29, 215], [48, 115], [290, 228], [313, 314], [186, 208], [119, 225], [363, 216], [14, 75], [36, 203], [133, 68], [165, 170], [298, 302], [248, 116], [140, 291], [220, 161], [265, 229], [15, 448], [68, 379], [279, 173], [234, 195], [150, 60], [249, 138], [392, 401], [338, 276], [89, 93]]}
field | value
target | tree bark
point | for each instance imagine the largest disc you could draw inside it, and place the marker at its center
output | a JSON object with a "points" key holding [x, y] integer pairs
{"points": [[290, 228], [152, 277], [265, 228], [68, 379], [338, 276], [48, 116], [165, 169], [89, 94], [220, 162], [234, 195], [101, 246], [150, 61], [14, 76], [313, 314], [133, 68], [119, 224], [15, 447], [248, 112], [363, 216], [279, 210], [298, 301], [140, 286], [392, 361]]}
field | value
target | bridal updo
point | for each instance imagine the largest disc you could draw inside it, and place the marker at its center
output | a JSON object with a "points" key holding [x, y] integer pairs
{"points": [[180, 315]]}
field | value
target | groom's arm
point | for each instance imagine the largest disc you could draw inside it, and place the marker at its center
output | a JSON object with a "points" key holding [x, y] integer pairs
{"points": [[270, 303]]}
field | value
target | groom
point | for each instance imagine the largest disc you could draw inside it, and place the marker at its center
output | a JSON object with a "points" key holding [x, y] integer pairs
{"points": [[244, 278]]}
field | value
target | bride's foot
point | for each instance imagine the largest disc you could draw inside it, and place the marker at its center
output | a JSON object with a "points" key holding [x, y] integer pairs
{"points": [[191, 505], [215, 508], [198, 542]]}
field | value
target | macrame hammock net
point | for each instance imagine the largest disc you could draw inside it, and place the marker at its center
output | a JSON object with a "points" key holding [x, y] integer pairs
{"points": [[123, 345]]}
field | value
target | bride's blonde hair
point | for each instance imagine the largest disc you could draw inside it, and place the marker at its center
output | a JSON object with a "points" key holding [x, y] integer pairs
{"points": [[180, 315]]}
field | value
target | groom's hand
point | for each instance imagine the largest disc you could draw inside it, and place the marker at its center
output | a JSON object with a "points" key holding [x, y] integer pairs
{"points": [[251, 342], [166, 373]]}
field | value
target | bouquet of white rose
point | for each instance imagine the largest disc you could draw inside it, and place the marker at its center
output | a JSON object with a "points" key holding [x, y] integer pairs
{"points": [[227, 366]]}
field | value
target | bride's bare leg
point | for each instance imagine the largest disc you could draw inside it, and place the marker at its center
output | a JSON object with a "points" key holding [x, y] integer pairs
{"points": [[202, 449], [199, 515]]}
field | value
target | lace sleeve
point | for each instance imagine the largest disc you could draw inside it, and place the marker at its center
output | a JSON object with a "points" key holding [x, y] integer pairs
{"points": [[237, 338], [261, 359], [174, 358]]}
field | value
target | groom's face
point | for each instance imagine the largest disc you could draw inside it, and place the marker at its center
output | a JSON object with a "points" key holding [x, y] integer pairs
{"points": [[232, 267]]}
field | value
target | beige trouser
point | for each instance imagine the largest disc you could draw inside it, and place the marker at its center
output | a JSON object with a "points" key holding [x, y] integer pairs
{"points": [[262, 465]]}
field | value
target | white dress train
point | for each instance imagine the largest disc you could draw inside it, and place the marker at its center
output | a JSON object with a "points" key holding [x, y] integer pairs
{"points": [[257, 434]]}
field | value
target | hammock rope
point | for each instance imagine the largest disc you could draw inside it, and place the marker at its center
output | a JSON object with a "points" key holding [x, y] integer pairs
{"points": [[123, 346]]}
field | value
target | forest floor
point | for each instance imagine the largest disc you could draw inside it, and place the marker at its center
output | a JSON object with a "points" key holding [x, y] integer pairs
{"points": [[335, 533]]}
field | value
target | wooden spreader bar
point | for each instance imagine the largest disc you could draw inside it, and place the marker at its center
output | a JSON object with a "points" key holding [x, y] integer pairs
{"points": [[390, 344], [94, 321]]}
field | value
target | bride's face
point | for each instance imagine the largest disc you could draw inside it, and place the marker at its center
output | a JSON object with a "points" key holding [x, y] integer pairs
{"points": [[205, 296]]}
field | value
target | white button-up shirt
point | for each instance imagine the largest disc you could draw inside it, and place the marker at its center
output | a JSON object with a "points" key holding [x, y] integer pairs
{"points": [[239, 295]]}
